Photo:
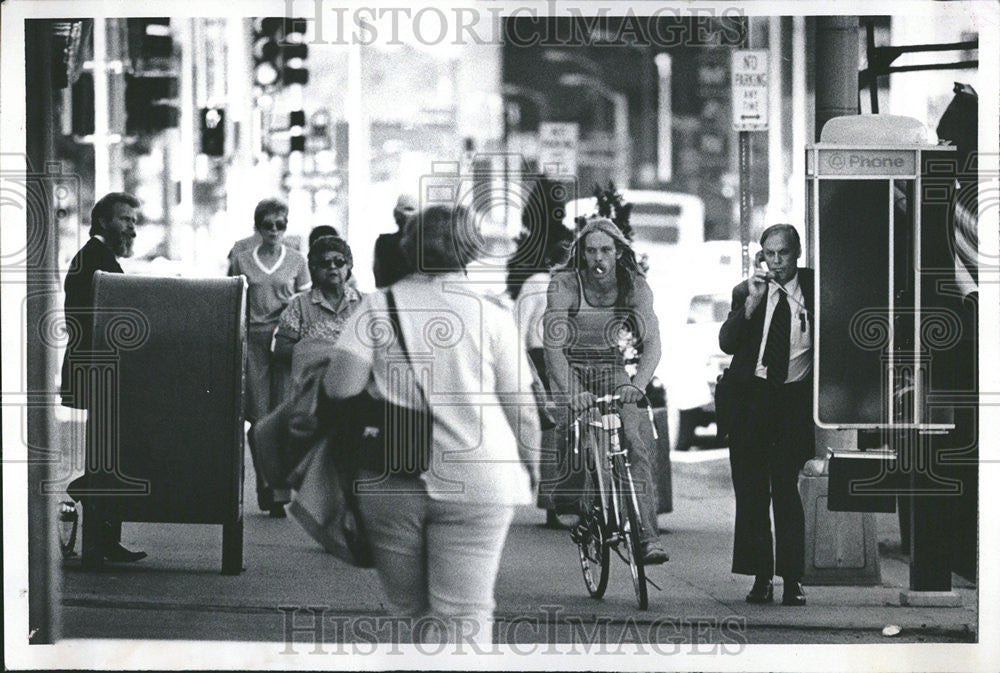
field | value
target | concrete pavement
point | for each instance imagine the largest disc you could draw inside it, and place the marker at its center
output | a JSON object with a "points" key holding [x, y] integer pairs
{"points": [[178, 593]]}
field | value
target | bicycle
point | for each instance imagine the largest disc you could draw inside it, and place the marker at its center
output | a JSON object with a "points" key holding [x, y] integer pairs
{"points": [[609, 516]]}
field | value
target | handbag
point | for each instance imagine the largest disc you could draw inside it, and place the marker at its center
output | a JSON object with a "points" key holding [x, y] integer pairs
{"points": [[387, 438]]}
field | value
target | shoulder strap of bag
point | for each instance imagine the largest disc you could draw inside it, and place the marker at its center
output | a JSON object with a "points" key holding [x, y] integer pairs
{"points": [[394, 317]]}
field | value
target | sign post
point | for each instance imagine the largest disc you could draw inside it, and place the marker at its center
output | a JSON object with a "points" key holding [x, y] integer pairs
{"points": [[557, 147], [749, 103]]}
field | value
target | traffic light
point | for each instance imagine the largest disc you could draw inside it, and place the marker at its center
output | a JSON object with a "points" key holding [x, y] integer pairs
{"points": [[152, 87], [83, 104], [279, 52], [150, 103], [267, 50], [213, 131], [293, 55], [297, 130]]}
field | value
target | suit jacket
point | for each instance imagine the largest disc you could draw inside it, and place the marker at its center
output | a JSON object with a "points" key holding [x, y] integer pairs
{"points": [[78, 309], [741, 338], [390, 264]]}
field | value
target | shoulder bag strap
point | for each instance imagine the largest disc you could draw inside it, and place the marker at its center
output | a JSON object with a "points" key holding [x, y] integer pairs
{"points": [[394, 317]]}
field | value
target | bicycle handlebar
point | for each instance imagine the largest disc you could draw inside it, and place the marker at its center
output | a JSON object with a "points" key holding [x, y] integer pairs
{"points": [[612, 397]]}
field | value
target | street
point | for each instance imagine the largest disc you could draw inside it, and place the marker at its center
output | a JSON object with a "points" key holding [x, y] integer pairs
{"points": [[178, 594]]}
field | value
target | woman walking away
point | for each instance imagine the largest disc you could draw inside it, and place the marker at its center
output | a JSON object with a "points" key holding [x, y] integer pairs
{"points": [[437, 535], [274, 274]]}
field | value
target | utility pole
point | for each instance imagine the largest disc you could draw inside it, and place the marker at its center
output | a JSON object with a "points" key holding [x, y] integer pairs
{"points": [[836, 69], [746, 196]]}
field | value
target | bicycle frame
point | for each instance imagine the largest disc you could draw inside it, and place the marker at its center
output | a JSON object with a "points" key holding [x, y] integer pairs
{"points": [[619, 519], [606, 446]]}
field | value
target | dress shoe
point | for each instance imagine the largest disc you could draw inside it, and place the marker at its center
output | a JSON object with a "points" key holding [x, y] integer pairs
{"points": [[264, 500], [277, 511], [116, 553], [762, 591], [793, 594], [653, 554]]}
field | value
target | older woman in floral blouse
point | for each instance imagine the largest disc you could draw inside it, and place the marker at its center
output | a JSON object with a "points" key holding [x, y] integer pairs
{"points": [[318, 314]]}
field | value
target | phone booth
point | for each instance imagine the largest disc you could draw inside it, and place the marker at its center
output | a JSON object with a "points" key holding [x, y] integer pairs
{"points": [[887, 333]]}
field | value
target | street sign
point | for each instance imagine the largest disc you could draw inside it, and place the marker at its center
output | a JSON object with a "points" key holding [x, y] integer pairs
{"points": [[749, 87], [557, 147]]}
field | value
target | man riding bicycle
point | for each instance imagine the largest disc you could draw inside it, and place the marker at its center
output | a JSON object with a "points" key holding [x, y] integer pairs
{"points": [[594, 302]]}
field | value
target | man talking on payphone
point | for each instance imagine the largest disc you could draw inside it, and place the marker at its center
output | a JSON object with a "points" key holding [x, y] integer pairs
{"points": [[769, 334]]}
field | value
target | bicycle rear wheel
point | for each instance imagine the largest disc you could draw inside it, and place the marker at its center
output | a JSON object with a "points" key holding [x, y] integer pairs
{"points": [[630, 534], [592, 542]]}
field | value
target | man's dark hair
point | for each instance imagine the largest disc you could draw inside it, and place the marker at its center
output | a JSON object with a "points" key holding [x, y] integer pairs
{"points": [[782, 229], [537, 251], [104, 209], [265, 207], [321, 231]]}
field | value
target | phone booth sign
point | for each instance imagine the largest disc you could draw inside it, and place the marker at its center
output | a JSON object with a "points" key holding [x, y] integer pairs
{"points": [[878, 196]]}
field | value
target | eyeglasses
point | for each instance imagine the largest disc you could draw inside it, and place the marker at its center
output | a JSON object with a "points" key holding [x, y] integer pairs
{"points": [[338, 262], [272, 226]]}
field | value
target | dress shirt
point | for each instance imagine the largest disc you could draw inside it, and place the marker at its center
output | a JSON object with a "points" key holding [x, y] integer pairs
{"points": [[800, 342]]}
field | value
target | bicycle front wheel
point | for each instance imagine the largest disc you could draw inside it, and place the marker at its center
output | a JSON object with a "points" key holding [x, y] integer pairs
{"points": [[592, 542], [630, 534]]}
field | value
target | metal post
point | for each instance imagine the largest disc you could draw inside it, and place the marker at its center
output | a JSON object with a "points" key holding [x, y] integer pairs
{"points": [[746, 200], [622, 140], [44, 577], [777, 194], [798, 122], [664, 116], [102, 163], [836, 68]]}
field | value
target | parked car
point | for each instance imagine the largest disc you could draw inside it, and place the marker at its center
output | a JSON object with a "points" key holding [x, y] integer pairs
{"points": [[692, 358]]}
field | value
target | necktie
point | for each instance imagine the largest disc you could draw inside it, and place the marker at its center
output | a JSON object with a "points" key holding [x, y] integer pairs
{"points": [[778, 335]]}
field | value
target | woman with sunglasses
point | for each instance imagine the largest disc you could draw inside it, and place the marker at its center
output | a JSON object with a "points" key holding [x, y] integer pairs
{"points": [[274, 273], [319, 314]]}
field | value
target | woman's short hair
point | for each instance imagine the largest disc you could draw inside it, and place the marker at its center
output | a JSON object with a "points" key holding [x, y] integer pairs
{"points": [[440, 239], [105, 207], [325, 244], [320, 231], [266, 207]]}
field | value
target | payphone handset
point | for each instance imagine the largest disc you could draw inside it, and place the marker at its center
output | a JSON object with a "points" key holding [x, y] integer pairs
{"points": [[761, 264]]}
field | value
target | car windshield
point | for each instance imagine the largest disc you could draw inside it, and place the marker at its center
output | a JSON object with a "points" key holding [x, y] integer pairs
{"points": [[656, 222], [708, 308]]}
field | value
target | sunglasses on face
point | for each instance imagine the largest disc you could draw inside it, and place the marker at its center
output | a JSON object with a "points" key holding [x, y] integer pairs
{"points": [[338, 262], [272, 226]]}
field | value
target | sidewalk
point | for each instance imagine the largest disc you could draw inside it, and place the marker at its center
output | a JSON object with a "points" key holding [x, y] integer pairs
{"points": [[178, 593]]}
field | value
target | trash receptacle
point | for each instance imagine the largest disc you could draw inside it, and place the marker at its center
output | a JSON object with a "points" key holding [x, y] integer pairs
{"points": [[841, 547]]}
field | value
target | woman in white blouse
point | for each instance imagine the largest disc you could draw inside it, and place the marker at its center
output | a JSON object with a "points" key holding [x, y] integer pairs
{"points": [[437, 537]]}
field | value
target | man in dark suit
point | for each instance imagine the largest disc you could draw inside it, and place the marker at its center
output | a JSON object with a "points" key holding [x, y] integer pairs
{"points": [[769, 334], [389, 263], [112, 232]]}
